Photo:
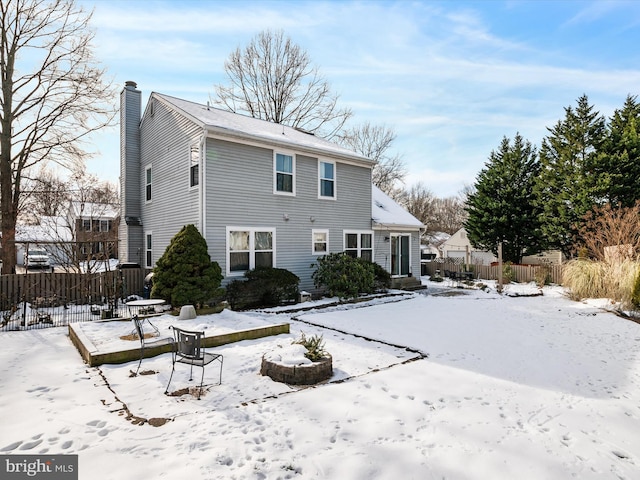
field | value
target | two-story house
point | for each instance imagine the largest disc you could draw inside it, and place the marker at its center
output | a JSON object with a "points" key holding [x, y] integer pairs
{"points": [[95, 229], [260, 193]]}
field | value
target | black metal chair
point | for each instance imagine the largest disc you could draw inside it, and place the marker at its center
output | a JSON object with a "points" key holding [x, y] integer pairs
{"points": [[146, 343], [188, 348]]}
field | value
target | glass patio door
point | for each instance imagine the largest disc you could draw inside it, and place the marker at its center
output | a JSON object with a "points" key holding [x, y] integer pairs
{"points": [[400, 255]]}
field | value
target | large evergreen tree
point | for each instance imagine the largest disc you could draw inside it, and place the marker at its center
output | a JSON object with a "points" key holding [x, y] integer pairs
{"points": [[502, 209], [185, 274], [621, 155], [569, 184]]}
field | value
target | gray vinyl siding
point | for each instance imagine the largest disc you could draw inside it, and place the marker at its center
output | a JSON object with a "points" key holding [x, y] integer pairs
{"points": [[167, 137], [239, 192]]}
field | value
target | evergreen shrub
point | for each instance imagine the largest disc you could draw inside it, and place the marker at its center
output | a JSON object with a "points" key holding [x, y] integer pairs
{"points": [[344, 276], [263, 287], [185, 274]]}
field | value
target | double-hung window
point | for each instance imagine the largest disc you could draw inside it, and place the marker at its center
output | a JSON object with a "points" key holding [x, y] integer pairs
{"points": [[359, 244], [320, 242], [284, 174], [148, 257], [326, 179], [194, 165], [248, 248], [147, 188]]}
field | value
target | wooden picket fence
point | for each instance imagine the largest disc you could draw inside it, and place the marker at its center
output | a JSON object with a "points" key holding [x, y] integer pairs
{"points": [[521, 273]]}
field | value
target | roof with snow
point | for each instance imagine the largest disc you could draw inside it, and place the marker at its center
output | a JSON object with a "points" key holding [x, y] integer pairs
{"points": [[387, 212], [50, 229], [231, 124], [94, 210]]}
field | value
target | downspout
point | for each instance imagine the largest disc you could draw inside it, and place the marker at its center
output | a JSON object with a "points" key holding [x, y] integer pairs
{"points": [[202, 197]]}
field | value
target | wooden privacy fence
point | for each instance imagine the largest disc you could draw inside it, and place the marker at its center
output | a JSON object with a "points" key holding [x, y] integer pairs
{"points": [[521, 273], [45, 293]]}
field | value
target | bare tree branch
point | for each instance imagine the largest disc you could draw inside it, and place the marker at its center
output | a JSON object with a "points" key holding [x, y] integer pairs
{"points": [[374, 142], [53, 96], [273, 79]]}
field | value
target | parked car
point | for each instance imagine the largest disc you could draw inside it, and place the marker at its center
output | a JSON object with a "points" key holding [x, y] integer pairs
{"points": [[36, 258]]}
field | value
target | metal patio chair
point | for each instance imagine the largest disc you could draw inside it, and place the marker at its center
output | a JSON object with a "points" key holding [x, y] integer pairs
{"points": [[146, 343], [189, 348]]}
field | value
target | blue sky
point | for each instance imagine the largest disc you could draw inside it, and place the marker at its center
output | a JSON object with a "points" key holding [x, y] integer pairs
{"points": [[451, 78]]}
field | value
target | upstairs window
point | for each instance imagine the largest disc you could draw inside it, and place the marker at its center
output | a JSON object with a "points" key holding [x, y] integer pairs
{"points": [[194, 165], [147, 188], [284, 174], [327, 179]]}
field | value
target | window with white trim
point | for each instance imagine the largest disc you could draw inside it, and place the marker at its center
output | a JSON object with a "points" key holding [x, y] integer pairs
{"points": [[105, 225], [284, 174], [359, 244], [326, 179], [320, 242], [147, 188], [148, 250], [248, 248], [194, 164]]}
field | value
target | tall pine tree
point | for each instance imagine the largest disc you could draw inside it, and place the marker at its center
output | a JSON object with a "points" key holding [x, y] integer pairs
{"points": [[502, 209], [621, 155], [569, 183]]}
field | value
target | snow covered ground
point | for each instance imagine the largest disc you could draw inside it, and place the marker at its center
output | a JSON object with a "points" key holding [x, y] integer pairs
{"points": [[513, 387]]}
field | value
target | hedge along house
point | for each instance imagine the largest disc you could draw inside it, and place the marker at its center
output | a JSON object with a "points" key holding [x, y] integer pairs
{"points": [[397, 240]]}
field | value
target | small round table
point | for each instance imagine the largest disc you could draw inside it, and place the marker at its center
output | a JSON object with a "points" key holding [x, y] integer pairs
{"points": [[147, 302]]}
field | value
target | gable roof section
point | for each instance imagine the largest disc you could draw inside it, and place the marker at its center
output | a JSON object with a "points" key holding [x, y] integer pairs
{"points": [[242, 127], [386, 212]]}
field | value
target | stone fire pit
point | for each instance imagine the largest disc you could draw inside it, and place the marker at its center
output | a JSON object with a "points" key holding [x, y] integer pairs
{"points": [[289, 365]]}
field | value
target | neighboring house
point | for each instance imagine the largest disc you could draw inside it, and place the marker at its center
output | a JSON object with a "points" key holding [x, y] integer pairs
{"points": [[260, 193], [459, 247], [396, 240], [95, 229]]}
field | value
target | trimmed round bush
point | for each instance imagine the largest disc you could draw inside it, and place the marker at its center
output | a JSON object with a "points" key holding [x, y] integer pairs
{"points": [[263, 287]]}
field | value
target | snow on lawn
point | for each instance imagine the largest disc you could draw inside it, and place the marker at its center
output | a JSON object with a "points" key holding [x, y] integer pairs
{"points": [[514, 387]]}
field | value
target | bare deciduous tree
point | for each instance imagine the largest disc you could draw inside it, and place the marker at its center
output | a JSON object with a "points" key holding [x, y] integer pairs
{"points": [[46, 195], [53, 95], [273, 79], [419, 202], [439, 215], [612, 233], [374, 142]]}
